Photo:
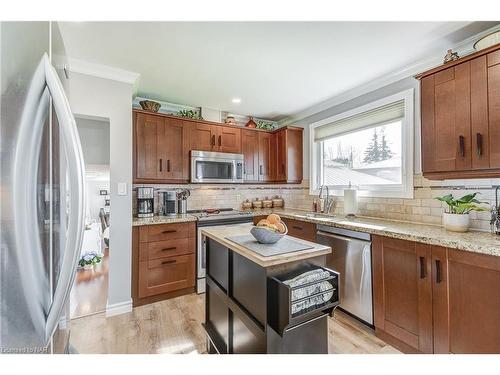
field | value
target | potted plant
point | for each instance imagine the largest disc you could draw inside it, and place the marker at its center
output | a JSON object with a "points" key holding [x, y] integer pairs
{"points": [[89, 260], [456, 216]]}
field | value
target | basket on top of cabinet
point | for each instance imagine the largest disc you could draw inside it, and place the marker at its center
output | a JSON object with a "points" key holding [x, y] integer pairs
{"points": [[301, 295]]}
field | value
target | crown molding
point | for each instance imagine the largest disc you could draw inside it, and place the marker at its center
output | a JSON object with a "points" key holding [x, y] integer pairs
{"points": [[103, 71], [464, 48]]}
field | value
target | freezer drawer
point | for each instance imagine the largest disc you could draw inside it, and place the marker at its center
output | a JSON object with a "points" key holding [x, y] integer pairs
{"points": [[351, 258]]}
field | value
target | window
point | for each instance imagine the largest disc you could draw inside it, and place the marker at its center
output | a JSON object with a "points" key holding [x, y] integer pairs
{"points": [[370, 147]]}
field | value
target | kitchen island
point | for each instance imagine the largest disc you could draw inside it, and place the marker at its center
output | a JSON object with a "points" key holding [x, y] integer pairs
{"points": [[265, 304]]}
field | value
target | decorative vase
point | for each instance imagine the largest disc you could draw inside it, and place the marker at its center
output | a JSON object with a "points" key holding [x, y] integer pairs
{"points": [[251, 123], [456, 222], [230, 120], [88, 267]]}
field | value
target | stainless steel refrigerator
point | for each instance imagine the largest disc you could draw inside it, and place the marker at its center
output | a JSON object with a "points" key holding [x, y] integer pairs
{"points": [[42, 190]]}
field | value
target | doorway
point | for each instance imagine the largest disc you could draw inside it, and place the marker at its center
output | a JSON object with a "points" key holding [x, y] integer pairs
{"points": [[90, 290]]}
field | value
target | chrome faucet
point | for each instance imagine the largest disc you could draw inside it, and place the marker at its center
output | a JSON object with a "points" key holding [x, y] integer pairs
{"points": [[495, 215], [325, 205]]}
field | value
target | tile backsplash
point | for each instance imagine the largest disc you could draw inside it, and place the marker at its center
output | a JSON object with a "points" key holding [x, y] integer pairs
{"points": [[423, 208]]}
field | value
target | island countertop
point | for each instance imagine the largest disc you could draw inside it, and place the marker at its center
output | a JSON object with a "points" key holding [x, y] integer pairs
{"points": [[220, 234]]}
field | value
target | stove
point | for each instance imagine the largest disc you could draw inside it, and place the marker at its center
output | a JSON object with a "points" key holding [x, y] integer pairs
{"points": [[213, 218]]}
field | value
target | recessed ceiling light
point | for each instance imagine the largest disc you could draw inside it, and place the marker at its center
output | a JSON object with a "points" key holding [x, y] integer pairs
{"points": [[236, 100]]}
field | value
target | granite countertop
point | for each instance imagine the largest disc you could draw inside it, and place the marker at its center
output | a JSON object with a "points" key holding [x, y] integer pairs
{"points": [[473, 241], [221, 233], [138, 221]]}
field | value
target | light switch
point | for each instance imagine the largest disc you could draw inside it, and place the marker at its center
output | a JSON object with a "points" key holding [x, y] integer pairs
{"points": [[122, 188]]}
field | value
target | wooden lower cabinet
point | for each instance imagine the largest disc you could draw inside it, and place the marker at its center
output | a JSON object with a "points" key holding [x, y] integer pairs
{"points": [[466, 302], [402, 293], [431, 299], [301, 229], [163, 261]]}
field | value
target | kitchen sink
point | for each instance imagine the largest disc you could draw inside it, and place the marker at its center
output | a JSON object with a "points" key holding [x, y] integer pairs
{"points": [[316, 215]]}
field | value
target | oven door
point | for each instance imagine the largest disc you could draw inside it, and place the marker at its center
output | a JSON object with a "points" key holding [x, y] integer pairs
{"points": [[216, 170]]}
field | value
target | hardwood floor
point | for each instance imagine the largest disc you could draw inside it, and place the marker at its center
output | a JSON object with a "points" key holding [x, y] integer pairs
{"points": [[174, 326], [89, 294]]}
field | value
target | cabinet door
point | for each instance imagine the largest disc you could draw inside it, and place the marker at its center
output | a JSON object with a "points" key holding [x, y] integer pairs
{"points": [[479, 114], [294, 156], [250, 151], [281, 160], [402, 292], [147, 163], [494, 107], [202, 137], [172, 148], [228, 140], [267, 156], [446, 125], [466, 299]]}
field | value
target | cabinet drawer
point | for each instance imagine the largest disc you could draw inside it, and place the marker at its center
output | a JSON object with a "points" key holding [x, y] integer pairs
{"points": [[165, 249], [166, 232], [301, 229], [166, 275]]}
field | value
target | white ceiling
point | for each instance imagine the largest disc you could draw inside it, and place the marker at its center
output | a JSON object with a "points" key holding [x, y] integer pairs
{"points": [[276, 68]]}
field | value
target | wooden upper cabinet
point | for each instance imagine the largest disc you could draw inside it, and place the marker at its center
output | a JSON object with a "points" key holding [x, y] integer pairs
{"points": [[173, 149], [228, 139], [163, 143], [466, 302], [267, 156], [147, 163], [446, 127], [161, 149], [493, 61], [250, 151], [216, 138], [402, 292], [289, 155], [460, 109], [203, 137]]}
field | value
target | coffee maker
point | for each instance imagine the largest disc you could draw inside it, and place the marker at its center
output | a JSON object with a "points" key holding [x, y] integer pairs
{"points": [[145, 202]]}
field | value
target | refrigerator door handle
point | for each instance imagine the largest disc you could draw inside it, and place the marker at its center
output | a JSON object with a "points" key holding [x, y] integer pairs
{"points": [[74, 156]]}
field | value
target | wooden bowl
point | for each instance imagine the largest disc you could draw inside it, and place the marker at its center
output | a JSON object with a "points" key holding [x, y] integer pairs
{"points": [[149, 105]]}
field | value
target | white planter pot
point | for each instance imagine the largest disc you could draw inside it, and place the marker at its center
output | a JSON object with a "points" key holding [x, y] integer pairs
{"points": [[456, 222]]}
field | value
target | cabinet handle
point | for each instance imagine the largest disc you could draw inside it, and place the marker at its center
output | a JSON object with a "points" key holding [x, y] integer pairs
{"points": [[283, 168], [298, 228], [213, 140], [260, 170], [168, 261], [422, 267], [479, 144], [168, 248], [169, 231], [461, 143], [161, 164], [438, 271], [220, 140], [168, 165]]}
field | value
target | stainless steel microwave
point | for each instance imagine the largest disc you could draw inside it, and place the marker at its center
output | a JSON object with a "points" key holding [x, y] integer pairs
{"points": [[216, 167]]}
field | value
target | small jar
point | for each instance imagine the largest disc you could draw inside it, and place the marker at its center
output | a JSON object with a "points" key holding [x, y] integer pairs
{"points": [[267, 203], [246, 205], [257, 203], [278, 202]]}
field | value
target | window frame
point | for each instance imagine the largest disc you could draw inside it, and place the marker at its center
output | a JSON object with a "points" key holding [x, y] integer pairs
{"points": [[404, 190]]}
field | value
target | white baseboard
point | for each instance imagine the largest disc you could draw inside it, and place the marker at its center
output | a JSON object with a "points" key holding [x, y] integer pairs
{"points": [[118, 308]]}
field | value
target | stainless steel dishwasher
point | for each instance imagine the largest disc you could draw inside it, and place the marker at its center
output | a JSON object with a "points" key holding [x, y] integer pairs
{"points": [[351, 258]]}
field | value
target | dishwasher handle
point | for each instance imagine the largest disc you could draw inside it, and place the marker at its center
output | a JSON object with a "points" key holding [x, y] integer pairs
{"points": [[341, 238]]}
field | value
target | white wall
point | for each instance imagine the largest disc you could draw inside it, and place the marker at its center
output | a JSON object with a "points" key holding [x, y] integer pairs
{"points": [[94, 136], [91, 96], [94, 200]]}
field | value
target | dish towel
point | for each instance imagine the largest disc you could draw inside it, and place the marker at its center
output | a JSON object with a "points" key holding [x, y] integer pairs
{"points": [[320, 286]]}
